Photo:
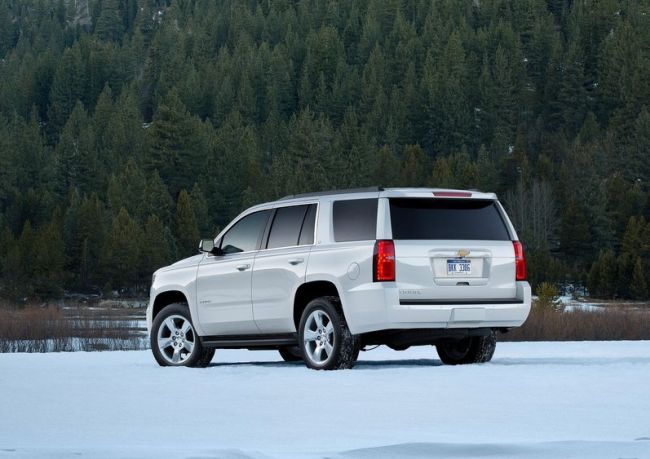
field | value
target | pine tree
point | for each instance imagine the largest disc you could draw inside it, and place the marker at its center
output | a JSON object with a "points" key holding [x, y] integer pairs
{"points": [[625, 268], [633, 241], [68, 87], [387, 168], [575, 234], [25, 268], [301, 168], [110, 26], [639, 284], [415, 167], [186, 227], [91, 233], [126, 189], [156, 199], [125, 137], [13, 280], [47, 274], [76, 161], [608, 274], [158, 250], [200, 207], [447, 103], [635, 163], [442, 176], [122, 251], [7, 29], [104, 112], [572, 89], [171, 150]]}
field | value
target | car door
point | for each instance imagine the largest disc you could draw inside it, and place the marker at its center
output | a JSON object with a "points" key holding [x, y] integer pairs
{"points": [[280, 267], [224, 282]]}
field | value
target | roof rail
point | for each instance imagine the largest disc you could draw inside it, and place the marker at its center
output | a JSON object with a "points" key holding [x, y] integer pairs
{"points": [[331, 192]]}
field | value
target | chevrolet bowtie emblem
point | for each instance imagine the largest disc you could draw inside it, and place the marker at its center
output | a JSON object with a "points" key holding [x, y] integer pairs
{"points": [[463, 253]]}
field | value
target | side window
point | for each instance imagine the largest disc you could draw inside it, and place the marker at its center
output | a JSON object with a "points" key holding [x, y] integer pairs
{"points": [[245, 235], [355, 220], [285, 230], [307, 232]]}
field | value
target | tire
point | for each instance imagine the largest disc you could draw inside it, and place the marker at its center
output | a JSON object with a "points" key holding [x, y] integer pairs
{"points": [[323, 322], [290, 354], [174, 341], [475, 349]]}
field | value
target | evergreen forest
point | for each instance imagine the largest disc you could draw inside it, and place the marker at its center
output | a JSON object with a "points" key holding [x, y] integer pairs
{"points": [[129, 129]]}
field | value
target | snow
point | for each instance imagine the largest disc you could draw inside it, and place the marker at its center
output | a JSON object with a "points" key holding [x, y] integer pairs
{"points": [[571, 304], [534, 400]]}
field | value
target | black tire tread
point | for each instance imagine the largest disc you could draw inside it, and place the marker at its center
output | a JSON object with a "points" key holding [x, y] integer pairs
{"points": [[202, 356], [347, 349], [481, 350]]}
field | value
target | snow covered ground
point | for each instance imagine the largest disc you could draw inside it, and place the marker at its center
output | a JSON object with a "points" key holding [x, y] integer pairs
{"points": [[534, 400]]}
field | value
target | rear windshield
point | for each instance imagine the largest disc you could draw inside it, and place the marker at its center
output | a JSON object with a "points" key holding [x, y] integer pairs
{"points": [[471, 219]]}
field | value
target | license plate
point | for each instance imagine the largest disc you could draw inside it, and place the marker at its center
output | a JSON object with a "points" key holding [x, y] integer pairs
{"points": [[458, 267]]}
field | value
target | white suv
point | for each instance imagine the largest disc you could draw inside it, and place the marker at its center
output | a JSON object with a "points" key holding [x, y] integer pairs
{"points": [[320, 276]]}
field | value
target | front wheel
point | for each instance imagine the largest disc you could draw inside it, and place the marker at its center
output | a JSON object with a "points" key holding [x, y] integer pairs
{"points": [[325, 339], [174, 341], [474, 349]]}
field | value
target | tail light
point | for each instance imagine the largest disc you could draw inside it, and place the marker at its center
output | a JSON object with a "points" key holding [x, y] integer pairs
{"points": [[520, 261], [384, 261]]}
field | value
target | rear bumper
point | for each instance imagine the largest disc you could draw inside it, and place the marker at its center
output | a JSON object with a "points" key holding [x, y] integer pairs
{"points": [[377, 306]]}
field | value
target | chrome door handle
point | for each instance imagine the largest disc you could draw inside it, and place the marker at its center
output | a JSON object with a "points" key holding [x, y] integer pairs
{"points": [[296, 261], [243, 267]]}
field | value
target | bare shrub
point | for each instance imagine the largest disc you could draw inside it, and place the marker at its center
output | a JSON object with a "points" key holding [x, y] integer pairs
{"points": [[53, 328], [548, 324]]}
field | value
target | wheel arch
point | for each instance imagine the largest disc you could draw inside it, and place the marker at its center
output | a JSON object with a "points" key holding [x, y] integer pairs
{"points": [[309, 291], [166, 298]]}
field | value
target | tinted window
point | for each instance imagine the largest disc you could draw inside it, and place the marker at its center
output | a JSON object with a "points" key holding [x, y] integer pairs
{"points": [[307, 233], [471, 219], [286, 226], [245, 235], [355, 220]]}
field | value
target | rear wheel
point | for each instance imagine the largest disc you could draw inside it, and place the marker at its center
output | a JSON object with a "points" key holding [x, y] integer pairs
{"points": [[174, 341], [475, 349], [325, 339], [290, 354]]}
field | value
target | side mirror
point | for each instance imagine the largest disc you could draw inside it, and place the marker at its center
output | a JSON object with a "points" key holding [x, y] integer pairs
{"points": [[207, 245]]}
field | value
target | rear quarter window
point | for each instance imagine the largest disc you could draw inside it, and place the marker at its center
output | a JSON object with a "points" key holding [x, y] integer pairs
{"points": [[355, 220], [470, 219]]}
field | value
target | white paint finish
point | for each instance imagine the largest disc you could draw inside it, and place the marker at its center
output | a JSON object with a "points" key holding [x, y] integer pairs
{"points": [[181, 277], [354, 270], [422, 266], [224, 294], [277, 275], [384, 227]]}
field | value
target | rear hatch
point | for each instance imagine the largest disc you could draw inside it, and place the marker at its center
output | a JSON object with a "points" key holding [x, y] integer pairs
{"points": [[452, 251]]}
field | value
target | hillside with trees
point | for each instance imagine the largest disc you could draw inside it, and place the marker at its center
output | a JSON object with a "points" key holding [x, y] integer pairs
{"points": [[131, 128]]}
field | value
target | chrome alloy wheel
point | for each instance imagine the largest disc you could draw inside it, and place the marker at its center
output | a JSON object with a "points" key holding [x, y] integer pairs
{"points": [[319, 337], [176, 339]]}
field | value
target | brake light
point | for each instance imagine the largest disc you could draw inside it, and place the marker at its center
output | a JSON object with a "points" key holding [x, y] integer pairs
{"points": [[384, 261], [452, 194], [520, 261]]}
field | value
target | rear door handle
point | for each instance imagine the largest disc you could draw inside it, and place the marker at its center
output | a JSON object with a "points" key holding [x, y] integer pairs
{"points": [[243, 267], [296, 261]]}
